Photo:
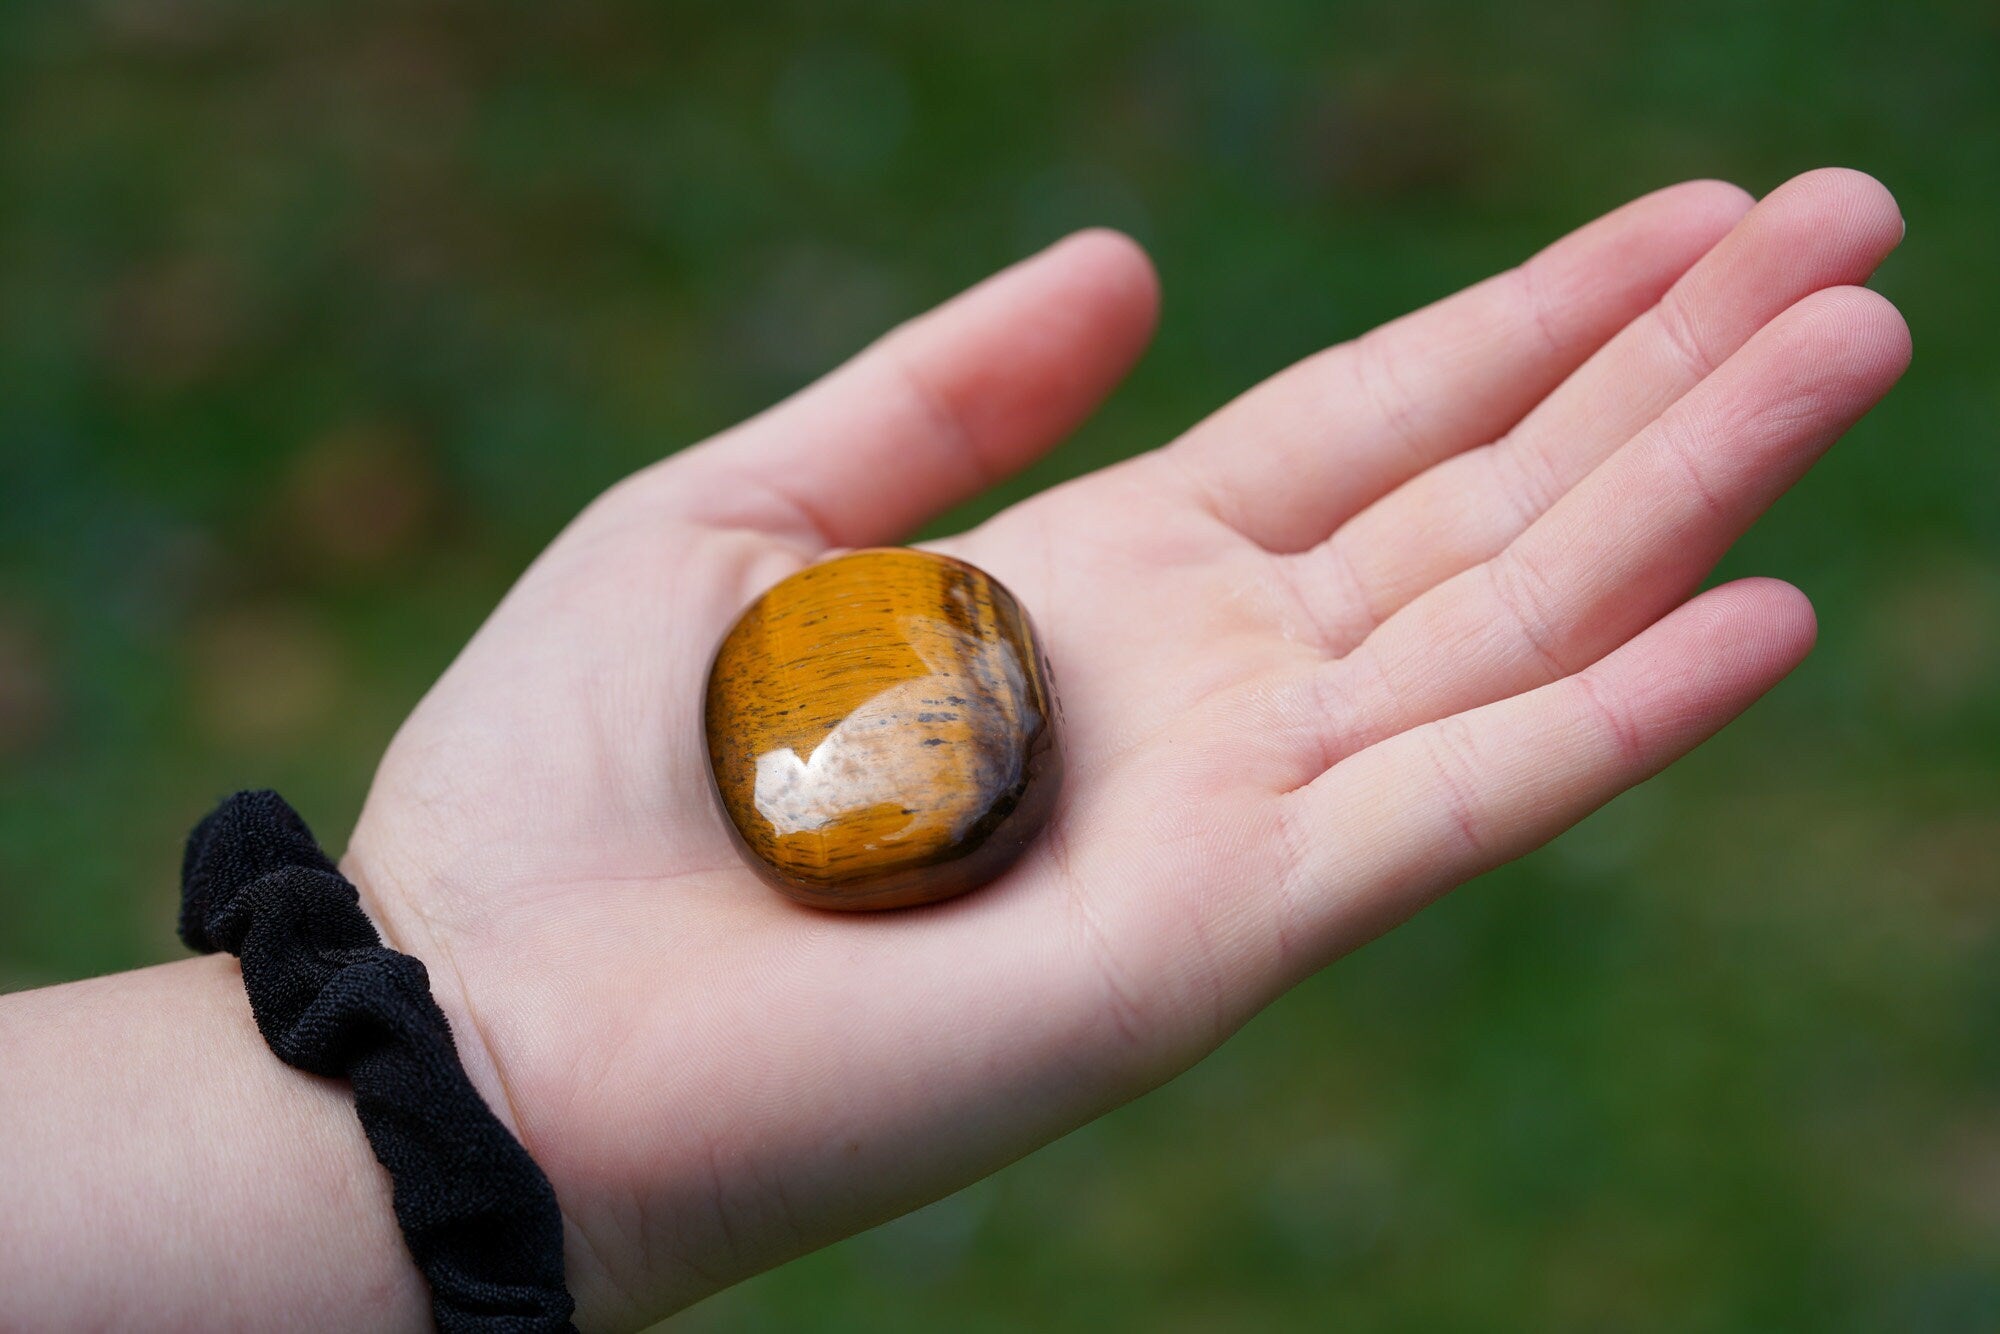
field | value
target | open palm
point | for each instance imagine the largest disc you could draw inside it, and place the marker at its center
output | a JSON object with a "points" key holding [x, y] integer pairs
{"points": [[1404, 611]]}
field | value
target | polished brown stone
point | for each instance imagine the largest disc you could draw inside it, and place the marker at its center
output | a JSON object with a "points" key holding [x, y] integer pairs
{"points": [[882, 732]]}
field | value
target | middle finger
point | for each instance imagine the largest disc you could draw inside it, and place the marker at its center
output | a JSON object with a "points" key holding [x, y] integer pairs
{"points": [[1823, 229]]}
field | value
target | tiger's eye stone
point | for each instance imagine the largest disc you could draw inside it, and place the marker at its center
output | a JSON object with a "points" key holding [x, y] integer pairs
{"points": [[881, 730]]}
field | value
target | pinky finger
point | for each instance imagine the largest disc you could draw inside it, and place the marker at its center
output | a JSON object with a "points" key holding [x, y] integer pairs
{"points": [[1388, 830]]}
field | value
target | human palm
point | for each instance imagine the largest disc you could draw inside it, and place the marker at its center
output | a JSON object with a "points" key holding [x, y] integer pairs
{"points": [[1402, 612]]}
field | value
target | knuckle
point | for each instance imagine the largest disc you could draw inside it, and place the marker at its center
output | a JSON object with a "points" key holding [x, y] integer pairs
{"points": [[1522, 591], [1538, 308], [1679, 328], [1452, 752], [1615, 717]]}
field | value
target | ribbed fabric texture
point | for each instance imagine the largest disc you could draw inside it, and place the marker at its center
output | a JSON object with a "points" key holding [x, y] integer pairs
{"points": [[480, 1219]]}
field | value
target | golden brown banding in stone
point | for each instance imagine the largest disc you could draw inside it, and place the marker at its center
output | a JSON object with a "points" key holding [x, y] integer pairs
{"points": [[881, 730]]}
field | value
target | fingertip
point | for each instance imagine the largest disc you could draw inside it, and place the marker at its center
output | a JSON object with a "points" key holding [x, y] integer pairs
{"points": [[947, 403], [1856, 332], [1801, 618], [1720, 203], [1843, 201], [1785, 612], [1676, 224], [1882, 322], [1704, 663], [1107, 241], [1860, 192], [1768, 621], [1879, 325], [1119, 267]]}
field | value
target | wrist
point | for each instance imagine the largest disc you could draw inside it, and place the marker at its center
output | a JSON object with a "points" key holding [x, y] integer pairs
{"points": [[386, 896], [382, 899], [165, 1169], [479, 1217]]}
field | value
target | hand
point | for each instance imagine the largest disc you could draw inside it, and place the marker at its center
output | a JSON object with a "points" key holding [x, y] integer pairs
{"points": [[1403, 612]]}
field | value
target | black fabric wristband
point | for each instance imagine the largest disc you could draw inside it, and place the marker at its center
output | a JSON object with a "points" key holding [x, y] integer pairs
{"points": [[479, 1217]]}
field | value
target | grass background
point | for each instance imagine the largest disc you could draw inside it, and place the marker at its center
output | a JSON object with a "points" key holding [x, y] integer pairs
{"points": [[317, 320]]}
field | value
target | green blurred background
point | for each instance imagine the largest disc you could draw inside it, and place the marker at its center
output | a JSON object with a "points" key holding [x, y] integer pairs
{"points": [[317, 320]]}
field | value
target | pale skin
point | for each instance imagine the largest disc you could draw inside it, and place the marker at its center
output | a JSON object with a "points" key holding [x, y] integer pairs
{"points": [[1403, 612]]}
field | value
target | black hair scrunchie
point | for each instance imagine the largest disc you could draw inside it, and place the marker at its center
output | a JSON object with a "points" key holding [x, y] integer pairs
{"points": [[479, 1217]]}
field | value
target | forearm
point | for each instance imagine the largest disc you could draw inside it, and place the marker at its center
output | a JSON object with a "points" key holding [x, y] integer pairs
{"points": [[160, 1167]]}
